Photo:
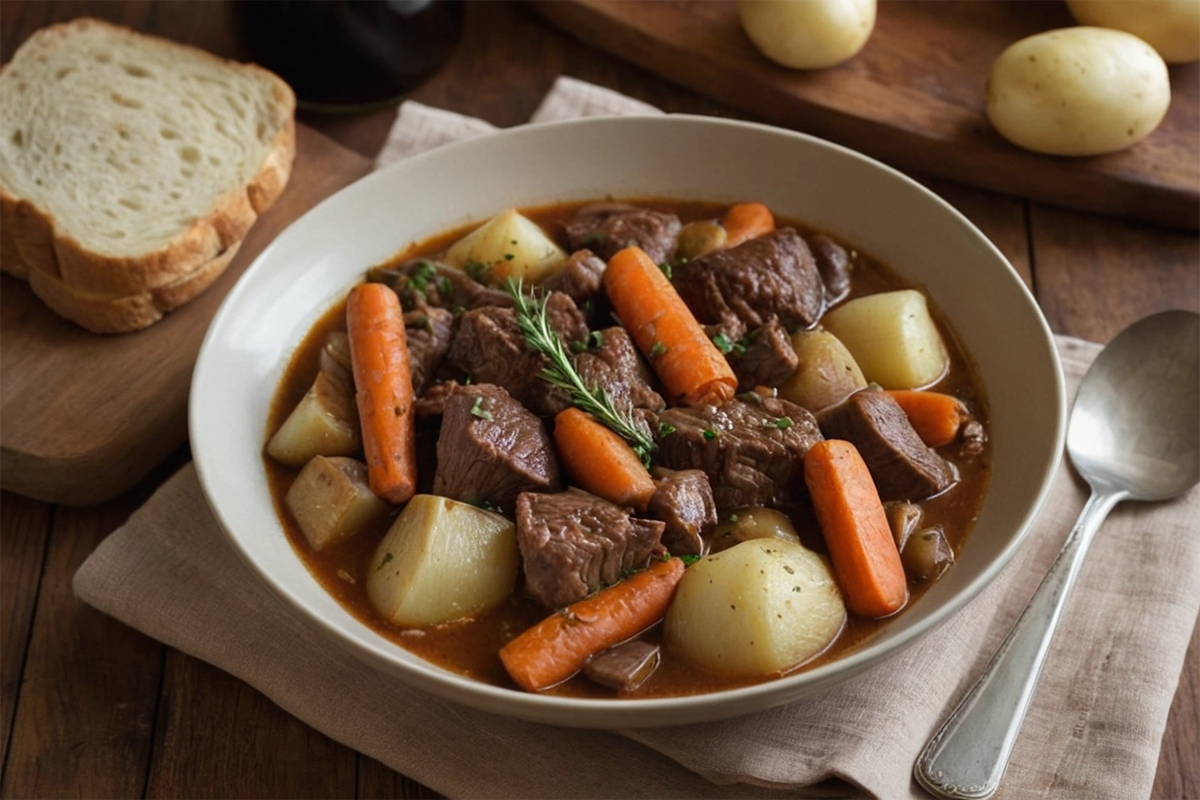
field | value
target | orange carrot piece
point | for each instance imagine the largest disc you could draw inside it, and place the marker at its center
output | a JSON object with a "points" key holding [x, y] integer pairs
{"points": [[745, 221], [600, 461], [937, 417], [690, 366], [384, 392], [855, 527], [557, 647]]}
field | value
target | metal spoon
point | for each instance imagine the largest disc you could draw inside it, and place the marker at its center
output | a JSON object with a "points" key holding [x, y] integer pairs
{"points": [[1134, 434]]}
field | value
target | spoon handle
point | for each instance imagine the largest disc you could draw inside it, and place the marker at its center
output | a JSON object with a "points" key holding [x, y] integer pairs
{"points": [[967, 756]]}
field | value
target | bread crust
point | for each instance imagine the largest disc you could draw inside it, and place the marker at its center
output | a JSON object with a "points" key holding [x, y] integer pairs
{"points": [[128, 313], [32, 244]]}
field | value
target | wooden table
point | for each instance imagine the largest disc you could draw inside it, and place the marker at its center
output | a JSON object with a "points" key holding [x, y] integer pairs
{"points": [[92, 708]]}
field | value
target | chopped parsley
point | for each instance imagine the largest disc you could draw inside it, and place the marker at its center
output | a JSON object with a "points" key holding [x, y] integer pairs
{"points": [[689, 560], [665, 429], [594, 237], [710, 434], [657, 350], [783, 423], [478, 410], [478, 271], [421, 275], [666, 269], [722, 343]]}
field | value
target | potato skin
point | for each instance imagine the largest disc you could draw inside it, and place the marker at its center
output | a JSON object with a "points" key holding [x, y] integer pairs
{"points": [[808, 34], [1078, 91], [1172, 27]]}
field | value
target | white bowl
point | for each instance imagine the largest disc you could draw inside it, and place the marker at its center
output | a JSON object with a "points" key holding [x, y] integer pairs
{"points": [[859, 201]]}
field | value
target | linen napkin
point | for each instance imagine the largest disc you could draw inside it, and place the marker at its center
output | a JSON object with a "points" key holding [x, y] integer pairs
{"points": [[1093, 730]]}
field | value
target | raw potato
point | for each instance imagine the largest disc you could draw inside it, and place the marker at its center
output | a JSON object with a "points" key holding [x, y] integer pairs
{"points": [[752, 523], [757, 608], [892, 337], [827, 374], [508, 244], [330, 500], [324, 423], [442, 560], [808, 34], [1172, 27], [1078, 91]]}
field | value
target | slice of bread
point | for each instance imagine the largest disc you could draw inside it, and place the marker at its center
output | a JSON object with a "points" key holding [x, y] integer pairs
{"points": [[130, 165]]}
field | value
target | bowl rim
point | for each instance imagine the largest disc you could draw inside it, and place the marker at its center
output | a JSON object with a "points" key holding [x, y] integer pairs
{"points": [[585, 712]]}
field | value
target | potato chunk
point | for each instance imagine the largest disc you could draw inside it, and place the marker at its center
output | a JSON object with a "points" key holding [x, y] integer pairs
{"points": [[760, 607], [507, 245], [892, 337], [324, 423], [827, 374], [330, 500], [442, 560]]}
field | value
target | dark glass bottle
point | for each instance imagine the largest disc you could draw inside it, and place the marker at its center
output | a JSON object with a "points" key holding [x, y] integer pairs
{"points": [[348, 55]]}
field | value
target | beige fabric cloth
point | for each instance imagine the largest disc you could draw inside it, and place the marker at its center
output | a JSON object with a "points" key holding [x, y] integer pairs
{"points": [[1093, 731]]}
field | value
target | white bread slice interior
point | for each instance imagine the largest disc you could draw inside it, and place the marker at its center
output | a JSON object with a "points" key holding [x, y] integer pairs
{"points": [[129, 164]]}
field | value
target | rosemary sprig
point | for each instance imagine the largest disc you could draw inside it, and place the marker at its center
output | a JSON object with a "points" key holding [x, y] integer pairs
{"points": [[561, 372]]}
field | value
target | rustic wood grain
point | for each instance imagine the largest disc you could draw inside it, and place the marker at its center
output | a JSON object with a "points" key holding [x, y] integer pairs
{"points": [[913, 97], [89, 684], [77, 672], [215, 736], [24, 529], [83, 417]]}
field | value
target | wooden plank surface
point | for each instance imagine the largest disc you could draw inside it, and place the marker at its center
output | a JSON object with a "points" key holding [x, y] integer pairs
{"points": [[83, 416], [1089, 273], [913, 97]]}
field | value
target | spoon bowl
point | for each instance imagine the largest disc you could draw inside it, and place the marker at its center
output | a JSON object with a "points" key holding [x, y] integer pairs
{"points": [[1134, 434], [1135, 426]]}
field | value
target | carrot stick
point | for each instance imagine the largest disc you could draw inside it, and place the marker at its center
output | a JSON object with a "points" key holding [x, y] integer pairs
{"points": [[383, 380], [600, 461], [936, 416], [855, 527], [745, 221], [557, 647], [690, 366]]}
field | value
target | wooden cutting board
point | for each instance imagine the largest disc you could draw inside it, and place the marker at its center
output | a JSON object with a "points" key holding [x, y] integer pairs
{"points": [[913, 97], [83, 416]]}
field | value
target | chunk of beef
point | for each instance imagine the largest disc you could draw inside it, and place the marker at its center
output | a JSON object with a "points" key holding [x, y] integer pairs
{"points": [[612, 363], [573, 543], [903, 467], [606, 228], [490, 348], [771, 275], [752, 450], [833, 262], [625, 666], [421, 282], [766, 359], [491, 448], [579, 278], [683, 500], [432, 402], [428, 332], [730, 328]]}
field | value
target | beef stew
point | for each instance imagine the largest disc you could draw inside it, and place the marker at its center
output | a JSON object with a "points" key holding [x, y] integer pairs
{"points": [[484, 427]]}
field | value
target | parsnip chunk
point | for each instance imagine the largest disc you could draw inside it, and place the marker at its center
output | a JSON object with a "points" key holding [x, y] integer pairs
{"points": [[442, 560], [757, 608], [892, 337]]}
